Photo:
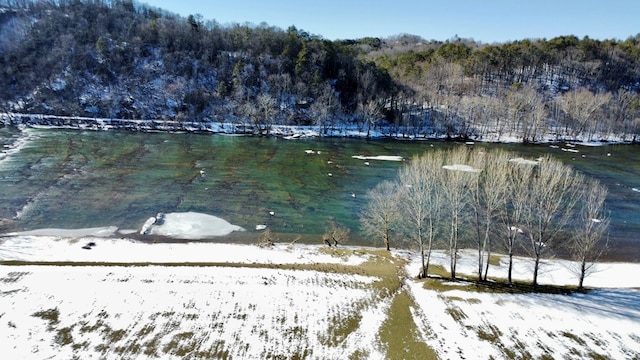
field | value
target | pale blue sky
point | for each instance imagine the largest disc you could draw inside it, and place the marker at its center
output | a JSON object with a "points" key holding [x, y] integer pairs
{"points": [[483, 20]]}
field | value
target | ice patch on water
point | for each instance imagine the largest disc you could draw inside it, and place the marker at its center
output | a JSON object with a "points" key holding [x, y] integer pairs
{"points": [[193, 226]]}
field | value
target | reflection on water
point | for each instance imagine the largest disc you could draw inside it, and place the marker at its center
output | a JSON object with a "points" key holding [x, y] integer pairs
{"points": [[76, 179]]}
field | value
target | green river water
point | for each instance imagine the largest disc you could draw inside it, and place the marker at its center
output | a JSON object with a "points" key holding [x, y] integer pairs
{"points": [[79, 179]]}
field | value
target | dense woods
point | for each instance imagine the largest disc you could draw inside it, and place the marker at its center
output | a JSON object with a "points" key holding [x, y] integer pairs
{"points": [[123, 59]]}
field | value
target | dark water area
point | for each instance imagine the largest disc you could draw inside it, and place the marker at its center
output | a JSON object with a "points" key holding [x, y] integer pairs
{"points": [[78, 179]]}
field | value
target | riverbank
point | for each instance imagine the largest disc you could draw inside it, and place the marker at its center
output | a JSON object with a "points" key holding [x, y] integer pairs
{"points": [[292, 131]]}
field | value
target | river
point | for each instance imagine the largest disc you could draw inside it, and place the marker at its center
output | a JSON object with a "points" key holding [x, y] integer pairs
{"points": [[77, 179]]}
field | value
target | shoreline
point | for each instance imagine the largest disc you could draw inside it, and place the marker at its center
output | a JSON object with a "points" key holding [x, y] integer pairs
{"points": [[289, 132], [196, 229]]}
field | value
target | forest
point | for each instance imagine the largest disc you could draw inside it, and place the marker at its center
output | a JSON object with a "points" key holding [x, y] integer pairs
{"points": [[122, 59]]}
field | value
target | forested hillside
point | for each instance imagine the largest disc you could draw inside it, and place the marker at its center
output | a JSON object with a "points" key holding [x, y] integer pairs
{"points": [[123, 59]]}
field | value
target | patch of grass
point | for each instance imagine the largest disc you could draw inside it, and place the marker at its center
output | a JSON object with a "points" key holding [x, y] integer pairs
{"points": [[151, 346], [51, 315], [341, 328], [358, 355], [13, 276], [340, 252], [490, 333], [181, 344], [443, 285], [438, 271], [596, 356], [400, 334], [387, 268], [295, 333], [86, 328], [146, 330], [63, 336], [500, 285], [219, 351], [456, 313], [574, 337], [494, 260], [596, 340], [113, 336], [548, 352], [80, 346], [191, 317], [131, 348]]}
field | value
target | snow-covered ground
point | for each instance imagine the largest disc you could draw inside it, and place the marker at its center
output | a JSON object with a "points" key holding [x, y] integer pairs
{"points": [[603, 323], [255, 303], [76, 295], [176, 312]]}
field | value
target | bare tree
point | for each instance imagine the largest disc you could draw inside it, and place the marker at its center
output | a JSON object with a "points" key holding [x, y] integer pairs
{"points": [[366, 94], [266, 238], [487, 193], [514, 204], [589, 241], [554, 192], [267, 108], [527, 111], [421, 202], [325, 106], [580, 106], [624, 110], [335, 234], [380, 215], [456, 181], [370, 112]]}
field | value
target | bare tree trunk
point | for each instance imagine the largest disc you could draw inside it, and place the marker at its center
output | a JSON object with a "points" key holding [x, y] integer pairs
{"points": [[554, 192], [589, 242]]}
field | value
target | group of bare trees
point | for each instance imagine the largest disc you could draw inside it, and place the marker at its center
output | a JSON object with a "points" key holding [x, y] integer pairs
{"points": [[492, 201], [519, 112], [564, 87]]}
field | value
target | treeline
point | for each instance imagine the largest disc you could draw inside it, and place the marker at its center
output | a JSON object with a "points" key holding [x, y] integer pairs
{"points": [[492, 201], [561, 88], [123, 59]]}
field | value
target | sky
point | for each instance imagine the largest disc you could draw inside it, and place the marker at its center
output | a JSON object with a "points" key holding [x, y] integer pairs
{"points": [[490, 21]]}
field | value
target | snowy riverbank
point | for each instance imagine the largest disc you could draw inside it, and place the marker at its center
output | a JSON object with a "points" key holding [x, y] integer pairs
{"points": [[290, 131], [111, 309]]}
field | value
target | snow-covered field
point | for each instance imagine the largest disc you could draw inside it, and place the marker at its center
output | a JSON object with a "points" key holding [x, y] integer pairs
{"points": [[183, 312], [462, 322], [127, 299]]}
